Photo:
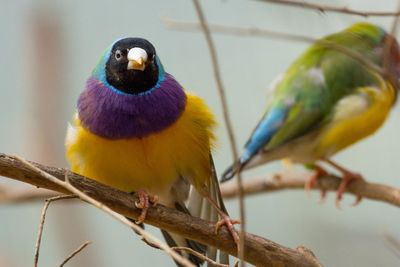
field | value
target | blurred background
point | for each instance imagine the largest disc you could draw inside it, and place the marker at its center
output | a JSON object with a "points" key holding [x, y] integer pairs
{"points": [[49, 48]]}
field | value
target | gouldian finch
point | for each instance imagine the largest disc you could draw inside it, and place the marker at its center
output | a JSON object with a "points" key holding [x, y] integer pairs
{"points": [[326, 101], [137, 129]]}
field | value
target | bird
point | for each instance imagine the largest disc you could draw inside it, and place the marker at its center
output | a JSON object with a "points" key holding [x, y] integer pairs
{"points": [[327, 100], [138, 130]]}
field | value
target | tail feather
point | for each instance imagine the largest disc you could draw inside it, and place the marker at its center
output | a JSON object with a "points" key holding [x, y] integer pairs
{"points": [[178, 241], [231, 171]]}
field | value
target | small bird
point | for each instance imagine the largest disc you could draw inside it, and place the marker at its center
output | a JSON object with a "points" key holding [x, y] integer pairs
{"points": [[137, 129], [326, 101]]}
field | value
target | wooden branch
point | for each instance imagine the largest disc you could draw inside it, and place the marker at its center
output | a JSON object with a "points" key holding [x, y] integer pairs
{"points": [[286, 180], [325, 8], [258, 250], [225, 111], [124, 220], [41, 224], [76, 251], [233, 30]]}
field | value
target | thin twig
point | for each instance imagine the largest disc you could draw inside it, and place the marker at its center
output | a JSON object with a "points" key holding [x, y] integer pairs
{"points": [[232, 30], [227, 120], [384, 71], [325, 8], [9, 195], [200, 256], [41, 224], [76, 251], [290, 180], [106, 209]]}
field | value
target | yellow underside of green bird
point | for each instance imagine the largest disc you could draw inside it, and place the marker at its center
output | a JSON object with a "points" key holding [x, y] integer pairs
{"points": [[152, 163], [356, 117]]}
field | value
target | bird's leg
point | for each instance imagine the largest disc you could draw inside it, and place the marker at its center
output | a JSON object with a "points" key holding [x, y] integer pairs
{"points": [[144, 203], [318, 172], [347, 177], [225, 219]]}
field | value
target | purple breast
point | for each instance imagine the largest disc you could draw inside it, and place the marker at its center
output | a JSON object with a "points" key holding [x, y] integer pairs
{"points": [[112, 115]]}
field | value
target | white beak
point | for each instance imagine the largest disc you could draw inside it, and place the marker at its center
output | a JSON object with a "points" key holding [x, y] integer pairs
{"points": [[137, 58]]}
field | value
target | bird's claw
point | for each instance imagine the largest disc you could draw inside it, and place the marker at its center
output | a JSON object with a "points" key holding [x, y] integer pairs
{"points": [[226, 220], [319, 171], [144, 203], [348, 176]]}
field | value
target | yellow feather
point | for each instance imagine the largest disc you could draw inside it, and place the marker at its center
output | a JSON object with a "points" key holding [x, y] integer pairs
{"points": [[356, 117], [152, 163]]}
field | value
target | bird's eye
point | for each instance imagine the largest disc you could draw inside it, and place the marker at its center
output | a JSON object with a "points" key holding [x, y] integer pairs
{"points": [[118, 55]]}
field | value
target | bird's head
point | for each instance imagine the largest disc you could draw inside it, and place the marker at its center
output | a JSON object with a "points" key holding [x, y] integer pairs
{"points": [[131, 65]]}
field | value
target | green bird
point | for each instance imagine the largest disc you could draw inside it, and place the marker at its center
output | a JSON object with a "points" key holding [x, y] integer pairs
{"points": [[326, 101]]}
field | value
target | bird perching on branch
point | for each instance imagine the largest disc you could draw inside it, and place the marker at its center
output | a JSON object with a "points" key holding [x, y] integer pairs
{"points": [[138, 130], [326, 101]]}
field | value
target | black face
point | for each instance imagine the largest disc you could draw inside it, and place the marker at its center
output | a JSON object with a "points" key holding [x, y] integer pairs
{"points": [[131, 81]]}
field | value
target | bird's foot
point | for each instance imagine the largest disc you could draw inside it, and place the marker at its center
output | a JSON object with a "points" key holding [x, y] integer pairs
{"points": [[318, 172], [144, 203], [347, 177], [226, 220]]}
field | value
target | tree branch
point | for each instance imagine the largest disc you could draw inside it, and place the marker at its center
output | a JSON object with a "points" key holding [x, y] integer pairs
{"points": [[325, 8], [258, 250], [286, 180]]}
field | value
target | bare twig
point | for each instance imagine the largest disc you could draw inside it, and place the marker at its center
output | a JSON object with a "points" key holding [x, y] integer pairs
{"points": [[325, 8], [227, 120], [200, 256], [42, 218], [288, 180], [76, 251], [267, 33], [231, 30], [9, 195], [68, 186], [259, 251]]}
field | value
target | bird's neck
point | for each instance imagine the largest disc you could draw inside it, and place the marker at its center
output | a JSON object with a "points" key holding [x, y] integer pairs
{"points": [[111, 115]]}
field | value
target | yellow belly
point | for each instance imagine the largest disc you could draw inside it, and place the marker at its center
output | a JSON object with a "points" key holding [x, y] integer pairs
{"points": [[153, 162], [356, 117]]}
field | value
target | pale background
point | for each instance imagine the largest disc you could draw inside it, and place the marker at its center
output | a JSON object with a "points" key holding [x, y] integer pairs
{"points": [[33, 119]]}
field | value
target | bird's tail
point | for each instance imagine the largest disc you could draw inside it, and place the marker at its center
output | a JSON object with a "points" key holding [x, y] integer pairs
{"points": [[201, 207], [174, 240], [231, 171], [198, 206]]}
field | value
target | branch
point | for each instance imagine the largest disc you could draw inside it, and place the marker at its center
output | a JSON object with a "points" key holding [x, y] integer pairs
{"points": [[267, 33], [228, 123], [41, 224], [282, 181], [258, 250], [232, 30], [83, 196], [76, 251], [200, 256], [325, 8], [10, 195]]}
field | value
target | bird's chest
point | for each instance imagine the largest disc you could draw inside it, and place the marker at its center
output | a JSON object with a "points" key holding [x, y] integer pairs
{"points": [[126, 164]]}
